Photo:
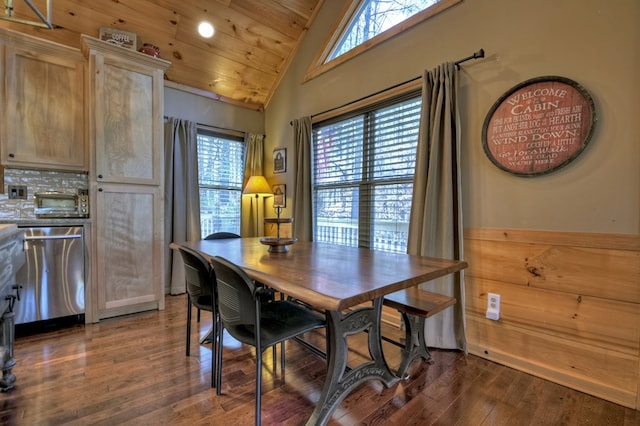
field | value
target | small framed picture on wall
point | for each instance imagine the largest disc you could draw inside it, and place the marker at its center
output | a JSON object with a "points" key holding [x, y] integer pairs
{"points": [[280, 160], [280, 195]]}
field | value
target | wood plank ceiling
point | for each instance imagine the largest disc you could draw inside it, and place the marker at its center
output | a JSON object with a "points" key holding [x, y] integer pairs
{"points": [[242, 63]]}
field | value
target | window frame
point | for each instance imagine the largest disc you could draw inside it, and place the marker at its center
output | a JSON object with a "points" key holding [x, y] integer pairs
{"points": [[319, 66], [365, 221], [230, 135]]}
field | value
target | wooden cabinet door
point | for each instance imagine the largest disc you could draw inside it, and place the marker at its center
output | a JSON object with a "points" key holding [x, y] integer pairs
{"points": [[128, 121], [129, 249], [125, 110], [44, 111]]}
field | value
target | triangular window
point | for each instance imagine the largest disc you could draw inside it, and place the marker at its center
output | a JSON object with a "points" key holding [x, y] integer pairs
{"points": [[367, 23]]}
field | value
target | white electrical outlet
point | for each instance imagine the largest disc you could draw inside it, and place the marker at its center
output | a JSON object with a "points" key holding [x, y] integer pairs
{"points": [[493, 306]]}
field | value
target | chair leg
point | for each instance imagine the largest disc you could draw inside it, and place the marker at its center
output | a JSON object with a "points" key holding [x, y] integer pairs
{"points": [[259, 384], [198, 317], [188, 325], [219, 362], [274, 353], [282, 348], [214, 349]]}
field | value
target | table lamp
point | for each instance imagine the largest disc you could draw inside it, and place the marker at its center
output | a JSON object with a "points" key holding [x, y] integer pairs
{"points": [[257, 186]]}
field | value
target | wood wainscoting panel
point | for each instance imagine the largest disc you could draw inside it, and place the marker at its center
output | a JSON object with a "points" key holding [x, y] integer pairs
{"points": [[609, 273], [570, 307], [606, 374], [584, 318]]}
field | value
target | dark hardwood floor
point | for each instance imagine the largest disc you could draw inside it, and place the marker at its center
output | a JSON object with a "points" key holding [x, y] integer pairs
{"points": [[132, 370]]}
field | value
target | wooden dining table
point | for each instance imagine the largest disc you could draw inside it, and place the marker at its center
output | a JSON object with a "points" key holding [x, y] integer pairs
{"points": [[348, 284]]}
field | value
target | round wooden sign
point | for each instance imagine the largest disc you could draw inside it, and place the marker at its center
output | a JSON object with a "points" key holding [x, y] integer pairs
{"points": [[539, 126]]}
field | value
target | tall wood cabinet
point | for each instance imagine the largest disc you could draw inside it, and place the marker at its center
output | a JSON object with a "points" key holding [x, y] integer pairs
{"points": [[43, 104], [125, 110]]}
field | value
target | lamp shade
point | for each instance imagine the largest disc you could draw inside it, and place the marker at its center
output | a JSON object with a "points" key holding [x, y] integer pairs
{"points": [[257, 185]]}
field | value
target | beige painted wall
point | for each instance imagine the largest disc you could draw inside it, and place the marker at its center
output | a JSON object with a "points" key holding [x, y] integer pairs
{"points": [[592, 42], [204, 110]]}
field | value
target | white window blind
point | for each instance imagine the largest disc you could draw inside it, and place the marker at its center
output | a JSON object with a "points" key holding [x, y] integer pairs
{"points": [[220, 177], [363, 176]]}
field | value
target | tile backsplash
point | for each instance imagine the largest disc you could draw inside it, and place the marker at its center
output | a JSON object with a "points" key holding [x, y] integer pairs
{"points": [[36, 181]]}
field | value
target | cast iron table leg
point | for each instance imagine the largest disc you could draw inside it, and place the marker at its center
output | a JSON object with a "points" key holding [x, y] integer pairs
{"points": [[340, 383], [415, 343]]}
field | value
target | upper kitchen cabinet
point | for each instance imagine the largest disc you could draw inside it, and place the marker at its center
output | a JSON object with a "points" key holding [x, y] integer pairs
{"points": [[125, 113], [42, 104]]}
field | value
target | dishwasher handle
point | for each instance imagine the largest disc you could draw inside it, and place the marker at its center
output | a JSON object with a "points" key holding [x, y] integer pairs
{"points": [[51, 237]]}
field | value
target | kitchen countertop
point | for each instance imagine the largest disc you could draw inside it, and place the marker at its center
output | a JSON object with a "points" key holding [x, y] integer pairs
{"points": [[7, 229], [46, 222]]}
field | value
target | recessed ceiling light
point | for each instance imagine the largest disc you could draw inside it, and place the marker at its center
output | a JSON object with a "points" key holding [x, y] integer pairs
{"points": [[205, 29]]}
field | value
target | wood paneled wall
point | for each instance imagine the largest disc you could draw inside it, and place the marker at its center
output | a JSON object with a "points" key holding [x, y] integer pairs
{"points": [[570, 307]]}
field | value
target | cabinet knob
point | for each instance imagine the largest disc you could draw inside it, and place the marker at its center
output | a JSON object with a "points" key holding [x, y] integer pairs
{"points": [[99, 176], [99, 189], [11, 155]]}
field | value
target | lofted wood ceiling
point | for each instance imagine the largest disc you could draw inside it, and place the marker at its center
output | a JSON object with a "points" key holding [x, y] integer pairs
{"points": [[242, 63]]}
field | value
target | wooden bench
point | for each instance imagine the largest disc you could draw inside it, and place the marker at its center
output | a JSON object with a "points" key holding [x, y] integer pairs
{"points": [[416, 305]]}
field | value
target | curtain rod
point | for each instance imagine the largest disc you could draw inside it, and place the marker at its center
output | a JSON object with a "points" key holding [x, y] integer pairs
{"points": [[475, 55], [212, 126]]}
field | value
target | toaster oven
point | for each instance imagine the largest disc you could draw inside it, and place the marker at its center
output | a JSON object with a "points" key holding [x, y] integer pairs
{"points": [[54, 204]]}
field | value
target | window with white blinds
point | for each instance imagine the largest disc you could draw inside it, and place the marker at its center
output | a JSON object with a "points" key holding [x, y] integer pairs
{"points": [[220, 177], [363, 175]]}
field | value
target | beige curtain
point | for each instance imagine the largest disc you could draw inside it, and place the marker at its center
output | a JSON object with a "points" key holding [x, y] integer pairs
{"points": [[254, 158], [302, 192], [435, 227], [253, 155], [182, 198]]}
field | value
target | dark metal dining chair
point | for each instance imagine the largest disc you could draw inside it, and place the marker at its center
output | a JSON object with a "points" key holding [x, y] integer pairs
{"points": [[250, 319], [222, 235], [200, 286]]}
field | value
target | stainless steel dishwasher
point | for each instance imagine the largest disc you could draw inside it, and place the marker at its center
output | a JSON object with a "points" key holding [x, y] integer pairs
{"points": [[53, 276]]}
